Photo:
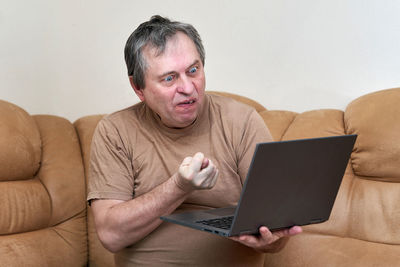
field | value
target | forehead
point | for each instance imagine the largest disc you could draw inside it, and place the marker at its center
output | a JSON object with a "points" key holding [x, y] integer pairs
{"points": [[180, 52]]}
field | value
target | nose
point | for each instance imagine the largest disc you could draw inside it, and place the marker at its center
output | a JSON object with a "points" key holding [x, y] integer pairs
{"points": [[185, 85]]}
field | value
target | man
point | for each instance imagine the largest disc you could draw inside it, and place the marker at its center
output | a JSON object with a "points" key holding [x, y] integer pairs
{"points": [[178, 149]]}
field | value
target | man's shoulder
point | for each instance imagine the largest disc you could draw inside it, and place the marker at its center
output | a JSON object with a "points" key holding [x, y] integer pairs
{"points": [[118, 120], [127, 113], [228, 104]]}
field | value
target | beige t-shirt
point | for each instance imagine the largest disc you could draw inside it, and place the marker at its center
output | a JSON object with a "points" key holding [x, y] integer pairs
{"points": [[133, 152]]}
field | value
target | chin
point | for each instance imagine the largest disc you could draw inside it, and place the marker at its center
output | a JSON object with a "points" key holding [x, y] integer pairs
{"points": [[187, 121]]}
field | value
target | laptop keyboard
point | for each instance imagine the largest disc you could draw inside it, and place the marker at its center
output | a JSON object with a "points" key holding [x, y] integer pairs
{"points": [[222, 223]]}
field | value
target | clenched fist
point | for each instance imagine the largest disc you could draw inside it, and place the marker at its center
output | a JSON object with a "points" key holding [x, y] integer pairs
{"points": [[196, 173]]}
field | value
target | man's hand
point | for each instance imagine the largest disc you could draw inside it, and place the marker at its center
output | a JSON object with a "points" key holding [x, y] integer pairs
{"points": [[196, 173], [268, 241]]}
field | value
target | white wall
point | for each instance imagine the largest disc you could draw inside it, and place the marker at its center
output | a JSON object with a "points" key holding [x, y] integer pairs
{"points": [[66, 57]]}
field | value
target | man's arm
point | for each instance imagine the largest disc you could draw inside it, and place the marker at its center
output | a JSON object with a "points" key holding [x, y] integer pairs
{"points": [[122, 223]]}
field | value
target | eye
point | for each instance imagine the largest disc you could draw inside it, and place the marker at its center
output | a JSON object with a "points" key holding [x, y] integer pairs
{"points": [[169, 78], [193, 70]]}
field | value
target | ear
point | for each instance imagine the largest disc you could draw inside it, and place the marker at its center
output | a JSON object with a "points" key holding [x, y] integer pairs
{"points": [[138, 91]]}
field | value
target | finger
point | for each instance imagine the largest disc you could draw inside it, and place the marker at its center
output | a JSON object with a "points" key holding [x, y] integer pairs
{"points": [[295, 230], [183, 168], [197, 161], [208, 171], [214, 179], [186, 161], [204, 177], [267, 235], [210, 165], [204, 164], [288, 232], [207, 183]]}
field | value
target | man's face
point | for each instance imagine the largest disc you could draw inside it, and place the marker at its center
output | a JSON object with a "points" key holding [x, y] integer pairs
{"points": [[175, 82]]}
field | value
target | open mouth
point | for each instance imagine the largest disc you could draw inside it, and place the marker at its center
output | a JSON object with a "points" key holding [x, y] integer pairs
{"points": [[188, 102]]}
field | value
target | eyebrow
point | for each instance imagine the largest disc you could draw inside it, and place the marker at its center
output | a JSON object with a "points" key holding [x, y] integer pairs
{"points": [[172, 72]]}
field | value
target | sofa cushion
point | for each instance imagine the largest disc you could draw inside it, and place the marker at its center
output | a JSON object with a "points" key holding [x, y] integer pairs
{"points": [[375, 118], [19, 142], [278, 121]]}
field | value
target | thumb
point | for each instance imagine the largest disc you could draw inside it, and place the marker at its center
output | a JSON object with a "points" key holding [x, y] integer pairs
{"points": [[205, 163]]}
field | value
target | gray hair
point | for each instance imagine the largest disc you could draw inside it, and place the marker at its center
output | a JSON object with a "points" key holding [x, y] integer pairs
{"points": [[155, 32]]}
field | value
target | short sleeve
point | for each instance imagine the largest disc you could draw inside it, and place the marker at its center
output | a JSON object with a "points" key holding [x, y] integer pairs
{"points": [[255, 131], [110, 167]]}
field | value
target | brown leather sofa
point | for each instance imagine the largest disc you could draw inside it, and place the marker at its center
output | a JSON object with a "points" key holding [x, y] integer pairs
{"points": [[44, 220], [42, 191]]}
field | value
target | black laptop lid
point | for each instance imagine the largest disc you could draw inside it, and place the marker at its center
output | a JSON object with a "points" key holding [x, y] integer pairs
{"points": [[292, 182]]}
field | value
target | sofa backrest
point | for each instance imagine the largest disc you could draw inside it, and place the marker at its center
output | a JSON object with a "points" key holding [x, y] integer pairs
{"points": [[363, 229], [42, 191]]}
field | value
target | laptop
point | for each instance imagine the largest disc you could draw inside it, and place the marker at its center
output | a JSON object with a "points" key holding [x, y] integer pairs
{"points": [[289, 183]]}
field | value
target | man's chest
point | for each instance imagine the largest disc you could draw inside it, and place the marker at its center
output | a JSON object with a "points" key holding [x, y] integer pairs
{"points": [[155, 161]]}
